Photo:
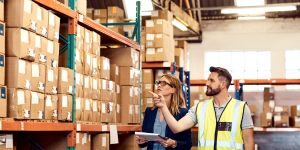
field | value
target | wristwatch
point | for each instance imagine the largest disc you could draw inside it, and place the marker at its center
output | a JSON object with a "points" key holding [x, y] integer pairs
{"points": [[174, 145]]}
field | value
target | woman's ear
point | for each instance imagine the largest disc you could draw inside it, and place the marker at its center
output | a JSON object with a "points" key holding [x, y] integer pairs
{"points": [[173, 90]]}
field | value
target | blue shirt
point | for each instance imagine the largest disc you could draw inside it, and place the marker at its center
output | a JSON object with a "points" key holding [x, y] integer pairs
{"points": [[159, 128]]}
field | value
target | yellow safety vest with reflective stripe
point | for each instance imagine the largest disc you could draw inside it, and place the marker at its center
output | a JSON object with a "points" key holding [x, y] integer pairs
{"points": [[228, 136]]}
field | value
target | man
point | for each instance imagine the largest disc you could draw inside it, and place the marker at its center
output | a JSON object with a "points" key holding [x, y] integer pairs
{"points": [[224, 122]]}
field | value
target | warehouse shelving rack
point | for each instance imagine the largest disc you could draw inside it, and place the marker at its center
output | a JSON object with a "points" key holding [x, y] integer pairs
{"points": [[108, 37]]}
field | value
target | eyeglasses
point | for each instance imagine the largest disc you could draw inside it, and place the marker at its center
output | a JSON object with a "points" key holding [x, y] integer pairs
{"points": [[163, 83]]}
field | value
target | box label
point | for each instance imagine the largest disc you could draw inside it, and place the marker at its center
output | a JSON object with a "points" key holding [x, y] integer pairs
{"points": [[269, 116], [118, 108], [48, 101], [154, 13], [298, 107], [87, 104], [148, 86], [78, 79], [277, 118], [64, 101], [278, 109], [39, 13], [3, 93], [35, 70], [78, 103], [104, 84], [88, 59], [1, 60], [104, 141], [51, 19], [160, 50], [159, 21], [159, 36], [272, 104], [2, 29], [86, 82], [34, 98], [117, 70], [95, 84], [118, 89], [50, 75], [64, 75], [50, 47], [150, 37], [37, 41], [95, 108], [22, 66], [24, 36], [95, 63], [27, 6], [150, 51], [149, 101], [130, 109], [21, 97], [149, 23], [103, 108]]}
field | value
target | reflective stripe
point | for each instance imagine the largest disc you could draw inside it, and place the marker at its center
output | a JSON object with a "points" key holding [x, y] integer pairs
{"points": [[202, 116], [234, 127], [223, 144]]}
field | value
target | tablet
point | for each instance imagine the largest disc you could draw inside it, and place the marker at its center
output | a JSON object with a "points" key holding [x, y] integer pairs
{"points": [[151, 136]]}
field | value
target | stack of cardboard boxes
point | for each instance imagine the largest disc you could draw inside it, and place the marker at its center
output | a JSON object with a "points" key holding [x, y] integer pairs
{"points": [[160, 37], [281, 116], [112, 14], [86, 141], [295, 116], [129, 78], [182, 54], [268, 107], [148, 85], [31, 60]]}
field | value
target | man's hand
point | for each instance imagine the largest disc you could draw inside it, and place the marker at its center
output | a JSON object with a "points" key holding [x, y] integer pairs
{"points": [[159, 100]]}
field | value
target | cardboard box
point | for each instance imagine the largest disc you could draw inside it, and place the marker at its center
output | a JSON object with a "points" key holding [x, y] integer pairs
{"points": [[82, 6], [38, 76], [41, 45], [115, 12], [127, 104], [100, 13], [269, 93], [51, 102], [181, 44], [100, 141], [87, 110], [79, 109], [179, 57], [281, 110], [95, 88], [88, 39], [96, 116], [118, 29], [64, 107], [126, 142], [2, 10], [104, 90], [42, 21], [79, 61], [52, 53], [114, 73], [162, 14], [146, 89], [80, 38], [148, 76], [53, 27], [95, 66], [20, 43], [2, 69], [266, 119], [2, 36], [21, 13], [87, 63], [96, 44], [18, 103], [105, 68], [105, 112], [90, 12], [150, 27], [295, 121], [3, 101], [83, 141], [19, 73], [51, 80], [65, 81], [100, 21], [281, 120], [268, 106], [126, 57], [87, 87], [37, 105], [158, 26], [159, 54], [295, 110], [79, 85], [147, 102], [126, 76]]}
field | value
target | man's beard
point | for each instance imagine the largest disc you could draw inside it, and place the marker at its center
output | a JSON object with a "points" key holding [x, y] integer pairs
{"points": [[212, 92]]}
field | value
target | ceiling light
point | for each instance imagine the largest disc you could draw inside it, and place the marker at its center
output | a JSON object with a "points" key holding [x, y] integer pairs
{"points": [[252, 18], [257, 10], [179, 25]]}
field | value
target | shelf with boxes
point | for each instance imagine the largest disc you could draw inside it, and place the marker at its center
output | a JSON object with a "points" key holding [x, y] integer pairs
{"points": [[254, 82], [264, 129]]}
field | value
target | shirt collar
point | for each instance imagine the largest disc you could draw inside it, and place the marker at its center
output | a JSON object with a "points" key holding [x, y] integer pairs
{"points": [[223, 105]]}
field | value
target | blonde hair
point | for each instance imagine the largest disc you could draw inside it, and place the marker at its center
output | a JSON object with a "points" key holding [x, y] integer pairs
{"points": [[177, 99]]}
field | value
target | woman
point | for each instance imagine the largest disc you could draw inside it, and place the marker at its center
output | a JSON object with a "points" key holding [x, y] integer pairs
{"points": [[170, 88]]}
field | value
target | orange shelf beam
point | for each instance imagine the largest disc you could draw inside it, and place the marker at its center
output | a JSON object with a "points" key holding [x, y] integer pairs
{"points": [[57, 7], [202, 82], [105, 128], [104, 31], [35, 126]]}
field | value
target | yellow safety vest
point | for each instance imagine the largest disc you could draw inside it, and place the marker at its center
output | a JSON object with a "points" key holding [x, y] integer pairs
{"points": [[228, 134]]}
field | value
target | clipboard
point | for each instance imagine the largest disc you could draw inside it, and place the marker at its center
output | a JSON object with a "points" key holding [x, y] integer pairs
{"points": [[151, 136]]}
